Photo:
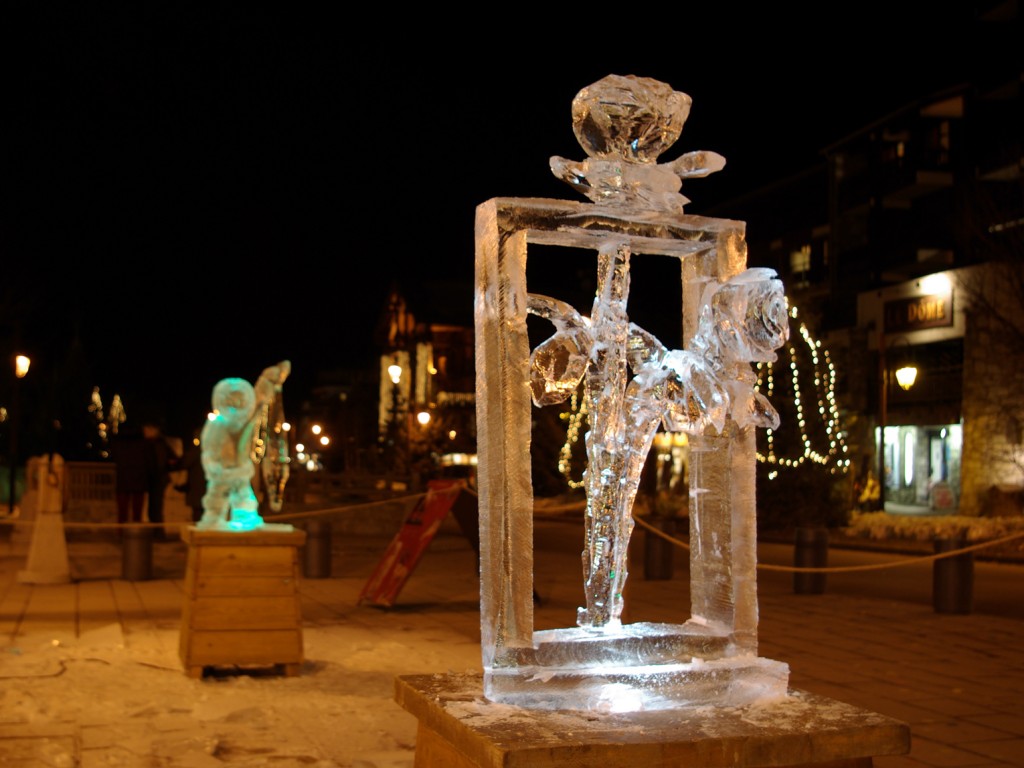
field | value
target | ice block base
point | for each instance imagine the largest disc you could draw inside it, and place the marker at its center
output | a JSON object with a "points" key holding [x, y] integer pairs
{"points": [[632, 667], [459, 728]]}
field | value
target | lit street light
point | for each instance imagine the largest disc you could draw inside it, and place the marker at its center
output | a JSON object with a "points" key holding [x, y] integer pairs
{"points": [[398, 442], [21, 366], [905, 375]]}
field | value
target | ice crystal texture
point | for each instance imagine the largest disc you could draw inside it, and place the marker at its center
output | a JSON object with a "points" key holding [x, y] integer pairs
{"points": [[632, 385], [688, 391]]}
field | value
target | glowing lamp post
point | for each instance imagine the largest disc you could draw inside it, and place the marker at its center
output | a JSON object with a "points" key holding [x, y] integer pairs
{"points": [[399, 452], [21, 366], [905, 375]]}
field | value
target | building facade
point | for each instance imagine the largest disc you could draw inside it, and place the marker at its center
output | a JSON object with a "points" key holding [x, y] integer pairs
{"points": [[903, 248]]}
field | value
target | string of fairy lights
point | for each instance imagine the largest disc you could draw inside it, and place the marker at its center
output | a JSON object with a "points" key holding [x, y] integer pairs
{"points": [[827, 410], [574, 420], [834, 458]]}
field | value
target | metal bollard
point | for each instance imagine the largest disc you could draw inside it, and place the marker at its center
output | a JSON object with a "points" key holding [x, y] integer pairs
{"points": [[658, 552], [810, 551], [316, 562], [136, 553], [952, 577]]}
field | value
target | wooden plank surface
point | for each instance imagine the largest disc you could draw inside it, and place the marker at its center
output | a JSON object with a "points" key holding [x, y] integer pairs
{"points": [[215, 585], [265, 537], [802, 729], [130, 607], [96, 606], [162, 598], [228, 648], [241, 561], [258, 612], [13, 603], [52, 609]]}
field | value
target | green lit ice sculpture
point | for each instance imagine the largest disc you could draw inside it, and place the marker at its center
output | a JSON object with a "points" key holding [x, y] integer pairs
{"points": [[632, 384], [238, 436]]}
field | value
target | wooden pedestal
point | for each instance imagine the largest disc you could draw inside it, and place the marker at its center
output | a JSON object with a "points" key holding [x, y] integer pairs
{"points": [[458, 728], [241, 600]]}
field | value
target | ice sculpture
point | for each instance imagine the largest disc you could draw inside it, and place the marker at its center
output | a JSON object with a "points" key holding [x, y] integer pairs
{"points": [[234, 440], [732, 316]]}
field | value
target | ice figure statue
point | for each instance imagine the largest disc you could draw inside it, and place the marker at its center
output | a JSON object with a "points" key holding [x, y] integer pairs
{"points": [[632, 384], [233, 441]]}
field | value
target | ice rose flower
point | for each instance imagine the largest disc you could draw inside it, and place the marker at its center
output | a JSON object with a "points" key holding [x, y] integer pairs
{"points": [[751, 316]]}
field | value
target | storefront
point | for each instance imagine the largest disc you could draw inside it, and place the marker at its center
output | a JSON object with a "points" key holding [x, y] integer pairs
{"points": [[916, 337], [922, 464]]}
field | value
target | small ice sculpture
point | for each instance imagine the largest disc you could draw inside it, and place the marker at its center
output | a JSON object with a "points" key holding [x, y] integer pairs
{"points": [[234, 440], [732, 316]]}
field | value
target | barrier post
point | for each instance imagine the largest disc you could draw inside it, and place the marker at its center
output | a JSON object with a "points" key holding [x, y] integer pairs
{"points": [[658, 551], [136, 553], [316, 556], [952, 577], [810, 551]]}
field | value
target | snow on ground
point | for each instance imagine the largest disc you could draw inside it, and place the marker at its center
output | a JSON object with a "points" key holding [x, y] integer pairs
{"points": [[117, 695], [132, 702]]}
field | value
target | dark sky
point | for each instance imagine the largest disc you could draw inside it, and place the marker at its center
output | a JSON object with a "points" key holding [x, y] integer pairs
{"points": [[201, 190]]}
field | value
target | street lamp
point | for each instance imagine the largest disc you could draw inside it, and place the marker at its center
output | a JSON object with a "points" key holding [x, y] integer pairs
{"points": [[21, 366], [905, 375], [399, 453]]}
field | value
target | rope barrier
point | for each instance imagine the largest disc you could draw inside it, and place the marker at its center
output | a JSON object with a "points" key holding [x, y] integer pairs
{"points": [[639, 520], [849, 568], [269, 519], [644, 524]]}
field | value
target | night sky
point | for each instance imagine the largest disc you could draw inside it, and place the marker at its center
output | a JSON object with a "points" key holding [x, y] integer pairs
{"points": [[200, 190]]}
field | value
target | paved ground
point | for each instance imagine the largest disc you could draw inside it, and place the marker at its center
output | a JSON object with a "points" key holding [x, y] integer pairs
{"points": [[957, 680]]}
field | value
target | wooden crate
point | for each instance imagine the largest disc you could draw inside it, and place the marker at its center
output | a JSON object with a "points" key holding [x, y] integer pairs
{"points": [[241, 600]]}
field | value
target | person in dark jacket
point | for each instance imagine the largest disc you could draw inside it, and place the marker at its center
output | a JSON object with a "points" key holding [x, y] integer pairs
{"points": [[194, 486], [134, 466], [164, 461]]}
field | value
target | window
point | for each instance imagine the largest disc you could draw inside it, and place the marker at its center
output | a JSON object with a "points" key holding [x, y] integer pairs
{"points": [[800, 263]]}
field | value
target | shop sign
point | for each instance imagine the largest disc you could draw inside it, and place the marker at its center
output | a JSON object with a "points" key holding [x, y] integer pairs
{"points": [[918, 312]]}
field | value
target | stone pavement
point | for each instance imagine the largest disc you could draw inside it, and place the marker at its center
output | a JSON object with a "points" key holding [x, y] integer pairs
{"points": [[957, 680]]}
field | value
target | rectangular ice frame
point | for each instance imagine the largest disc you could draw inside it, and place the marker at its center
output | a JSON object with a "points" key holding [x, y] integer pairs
{"points": [[723, 588]]}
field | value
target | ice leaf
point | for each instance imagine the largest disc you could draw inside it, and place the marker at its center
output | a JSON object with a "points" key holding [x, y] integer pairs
{"points": [[557, 367]]}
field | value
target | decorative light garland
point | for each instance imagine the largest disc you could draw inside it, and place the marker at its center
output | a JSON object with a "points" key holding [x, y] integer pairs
{"points": [[574, 418], [828, 411]]}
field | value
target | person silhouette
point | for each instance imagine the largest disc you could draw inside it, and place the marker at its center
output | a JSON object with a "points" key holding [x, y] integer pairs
{"points": [[134, 466], [194, 486], [164, 460]]}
